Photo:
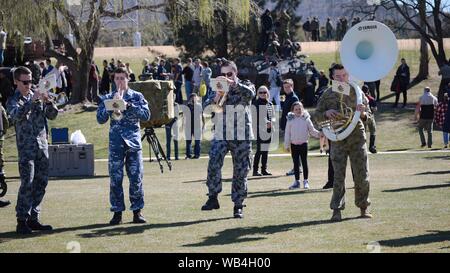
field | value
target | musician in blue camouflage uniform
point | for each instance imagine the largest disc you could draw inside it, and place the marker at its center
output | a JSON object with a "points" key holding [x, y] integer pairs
{"points": [[125, 147], [354, 147], [232, 132], [29, 112]]}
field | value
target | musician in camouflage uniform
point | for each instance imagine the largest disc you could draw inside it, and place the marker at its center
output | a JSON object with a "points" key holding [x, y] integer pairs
{"points": [[232, 132], [354, 146], [125, 145], [3, 127], [29, 112]]}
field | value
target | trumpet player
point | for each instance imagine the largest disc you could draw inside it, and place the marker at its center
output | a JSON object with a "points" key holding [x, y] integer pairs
{"points": [[125, 147], [231, 135], [354, 147], [29, 110]]}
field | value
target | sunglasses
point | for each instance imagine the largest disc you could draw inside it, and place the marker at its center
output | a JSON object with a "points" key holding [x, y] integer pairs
{"points": [[262, 93], [25, 82], [228, 75]]}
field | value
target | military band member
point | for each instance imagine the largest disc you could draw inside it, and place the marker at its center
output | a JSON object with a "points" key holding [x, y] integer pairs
{"points": [[354, 147], [125, 147], [29, 111], [232, 132]]}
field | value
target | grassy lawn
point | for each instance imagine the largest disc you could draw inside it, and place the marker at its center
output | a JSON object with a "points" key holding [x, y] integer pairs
{"points": [[409, 194]]}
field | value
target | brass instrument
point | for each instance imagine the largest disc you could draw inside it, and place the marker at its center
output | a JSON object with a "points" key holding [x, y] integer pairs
{"points": [[117, 114], [341, 126], [217, 84], [368, 51], [218, 107]]}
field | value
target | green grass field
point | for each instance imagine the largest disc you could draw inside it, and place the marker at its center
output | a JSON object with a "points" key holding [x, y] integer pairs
{"points": [[409, 194], [409, 191]]}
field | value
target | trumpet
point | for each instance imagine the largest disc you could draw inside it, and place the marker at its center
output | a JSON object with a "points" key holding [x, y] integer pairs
{"points": [[117, 114], [222, 86], [218, 107]]}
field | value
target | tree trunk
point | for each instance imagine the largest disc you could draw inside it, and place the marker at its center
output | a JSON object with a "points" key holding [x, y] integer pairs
{"points": [[223, 45], [81, 80], [424, 61]]}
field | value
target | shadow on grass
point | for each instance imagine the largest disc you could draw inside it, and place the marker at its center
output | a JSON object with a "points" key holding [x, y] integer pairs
{"points": [[17, 178], [437, 172], [136, 229], [79, 177], [227, 180], [435, 236], [426, 187], [97, 231], [397, 150], [283, 192], [444, 157], [12, 235], [249, 234]]}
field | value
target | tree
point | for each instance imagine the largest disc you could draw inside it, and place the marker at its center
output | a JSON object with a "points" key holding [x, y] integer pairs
{"points": [[53, 19], [226, 32]]}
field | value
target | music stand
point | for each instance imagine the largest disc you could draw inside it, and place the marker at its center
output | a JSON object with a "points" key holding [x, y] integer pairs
{"points": [[155, 145]]}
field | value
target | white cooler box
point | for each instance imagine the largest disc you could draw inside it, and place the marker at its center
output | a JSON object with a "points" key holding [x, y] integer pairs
{"points": [[71, 160]]}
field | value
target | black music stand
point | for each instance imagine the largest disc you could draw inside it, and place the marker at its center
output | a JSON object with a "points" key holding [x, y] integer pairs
{"points": [[155, 145]]}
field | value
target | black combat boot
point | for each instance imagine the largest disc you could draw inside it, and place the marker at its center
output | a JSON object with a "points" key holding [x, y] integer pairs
{"points": [[256, 173], [238, 211], [36, 225], [372, 147], [138, 218], [211, 203], [117, 219], [22, 228], [4, 203], [265, 172], [328, 185]]}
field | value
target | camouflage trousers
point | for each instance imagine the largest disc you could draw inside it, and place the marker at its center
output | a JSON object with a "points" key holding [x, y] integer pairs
{"points": [[241, 154], [33, 181], [371, 125], [355, 148], [119, 156]]}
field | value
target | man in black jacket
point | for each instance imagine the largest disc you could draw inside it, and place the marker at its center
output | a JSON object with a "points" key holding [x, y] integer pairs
{"points": [[404, 77]]}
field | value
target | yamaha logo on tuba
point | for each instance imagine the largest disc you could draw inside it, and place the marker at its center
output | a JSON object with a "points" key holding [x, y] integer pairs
{"points": [[364, 28]]}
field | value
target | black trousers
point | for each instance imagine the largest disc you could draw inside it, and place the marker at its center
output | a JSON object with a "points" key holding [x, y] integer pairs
{"points": [[260, 155], [397, 97], [300, 152], [330, 166]]}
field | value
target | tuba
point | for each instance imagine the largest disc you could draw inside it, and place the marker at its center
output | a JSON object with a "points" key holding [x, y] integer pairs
{"points": [[368, 51]]}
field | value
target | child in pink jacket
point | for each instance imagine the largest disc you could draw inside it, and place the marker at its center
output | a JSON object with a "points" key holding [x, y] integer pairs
{"points": [[298, 129]]}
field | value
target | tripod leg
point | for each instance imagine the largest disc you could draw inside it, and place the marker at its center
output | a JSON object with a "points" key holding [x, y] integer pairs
{"points": [[157, 151], [169, 164], [149, 140]]}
